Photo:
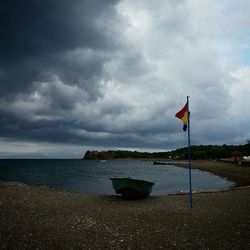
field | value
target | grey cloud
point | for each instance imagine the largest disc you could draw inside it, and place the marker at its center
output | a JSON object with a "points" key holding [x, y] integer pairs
{"points": [[35, 28], [38, 37]]}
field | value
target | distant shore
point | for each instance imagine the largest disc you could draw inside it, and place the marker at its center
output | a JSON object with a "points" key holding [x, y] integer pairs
{"points": [[232, 171], [45, 218]]}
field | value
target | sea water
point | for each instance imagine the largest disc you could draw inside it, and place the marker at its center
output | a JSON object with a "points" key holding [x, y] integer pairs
{"points": [[93, 177]]}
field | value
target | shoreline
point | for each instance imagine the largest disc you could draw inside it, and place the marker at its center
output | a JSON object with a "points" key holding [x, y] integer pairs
{"points": [[231, 171], [45, 218]]}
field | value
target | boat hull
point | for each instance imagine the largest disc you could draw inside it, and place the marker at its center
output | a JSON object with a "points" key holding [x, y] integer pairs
{"points": [[132, 188]]}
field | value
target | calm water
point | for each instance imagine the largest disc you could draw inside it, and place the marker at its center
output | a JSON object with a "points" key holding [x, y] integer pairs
{"points": [[93, 176]]}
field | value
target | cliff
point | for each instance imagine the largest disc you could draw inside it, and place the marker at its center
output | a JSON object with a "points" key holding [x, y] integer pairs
{"points": [[96, 155]]}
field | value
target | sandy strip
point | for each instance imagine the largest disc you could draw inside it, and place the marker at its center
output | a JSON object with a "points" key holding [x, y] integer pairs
{"points": [[44, 218], [239, 174]]}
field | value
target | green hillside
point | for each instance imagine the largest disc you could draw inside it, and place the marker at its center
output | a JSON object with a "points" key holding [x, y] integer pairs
{"points": [[202, 152]]}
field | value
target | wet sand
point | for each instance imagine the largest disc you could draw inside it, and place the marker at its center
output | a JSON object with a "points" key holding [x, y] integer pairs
{"points": [[44, 218]]}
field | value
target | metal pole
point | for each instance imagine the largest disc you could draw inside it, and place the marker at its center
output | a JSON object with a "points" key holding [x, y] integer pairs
{"points": [[189, 158]]}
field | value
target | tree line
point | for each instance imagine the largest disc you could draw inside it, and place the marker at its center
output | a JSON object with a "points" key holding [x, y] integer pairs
{"points": [[201, 152]]}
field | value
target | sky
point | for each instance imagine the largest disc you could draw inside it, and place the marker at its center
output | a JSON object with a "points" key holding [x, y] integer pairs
{"points": [[79, 75]]}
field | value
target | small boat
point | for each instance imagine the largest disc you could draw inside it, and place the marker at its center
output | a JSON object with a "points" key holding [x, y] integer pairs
{"points": [[132, 188], [160, 163]]}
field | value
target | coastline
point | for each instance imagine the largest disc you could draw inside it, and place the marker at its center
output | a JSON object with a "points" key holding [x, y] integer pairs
{"points": [[45, 218], [231, 171]]}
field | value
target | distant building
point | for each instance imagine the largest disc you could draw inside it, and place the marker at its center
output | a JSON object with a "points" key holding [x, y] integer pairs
{"points": [[237, 156]]}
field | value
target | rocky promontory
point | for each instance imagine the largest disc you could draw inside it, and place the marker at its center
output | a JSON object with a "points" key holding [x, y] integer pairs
{"points": [[98, 155]]}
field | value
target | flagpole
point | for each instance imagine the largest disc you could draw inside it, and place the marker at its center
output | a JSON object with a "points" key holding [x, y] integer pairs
{"points": [[189, 159]]}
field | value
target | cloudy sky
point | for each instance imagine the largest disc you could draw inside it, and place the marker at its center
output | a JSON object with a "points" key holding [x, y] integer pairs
{"points": [[92, 74]]}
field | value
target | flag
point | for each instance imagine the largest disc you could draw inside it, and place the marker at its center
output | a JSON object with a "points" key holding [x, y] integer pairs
{"points": [[183, 115]]}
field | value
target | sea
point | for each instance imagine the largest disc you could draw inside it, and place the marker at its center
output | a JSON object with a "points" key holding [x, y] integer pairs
{"points": [[93, 176]]}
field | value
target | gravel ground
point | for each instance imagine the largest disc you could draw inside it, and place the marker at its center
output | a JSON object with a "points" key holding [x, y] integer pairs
{"points": [[44, 218]]}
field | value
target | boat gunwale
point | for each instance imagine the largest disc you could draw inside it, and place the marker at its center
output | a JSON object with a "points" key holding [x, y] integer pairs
{"points": [[132, 179]]}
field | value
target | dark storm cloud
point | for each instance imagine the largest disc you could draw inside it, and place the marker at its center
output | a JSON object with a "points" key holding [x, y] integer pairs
{"points": [[34, 28], [51, 57], [36, 35]]}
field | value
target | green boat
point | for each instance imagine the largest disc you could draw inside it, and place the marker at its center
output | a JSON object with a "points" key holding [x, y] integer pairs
{"points": [[132, 188]]}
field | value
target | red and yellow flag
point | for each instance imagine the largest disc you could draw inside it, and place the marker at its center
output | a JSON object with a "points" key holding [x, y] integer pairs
{"points": [[183, 115]]}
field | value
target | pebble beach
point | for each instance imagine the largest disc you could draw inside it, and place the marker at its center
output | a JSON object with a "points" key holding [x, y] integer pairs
{"points": [[45, 218]]}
